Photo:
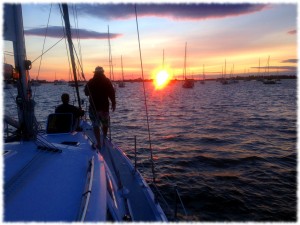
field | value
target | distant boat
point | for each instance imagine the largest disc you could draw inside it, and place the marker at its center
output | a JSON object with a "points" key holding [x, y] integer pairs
{"points": [[187, 83], [232, 80], [79, 83], [223, 79], [203, 77], [269, 80], [122, 83], [258, 73], [35, 83], [59, 82]]}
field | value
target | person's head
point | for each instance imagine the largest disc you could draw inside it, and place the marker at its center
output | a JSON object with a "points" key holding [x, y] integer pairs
{"points": [[99, 71], [65, 98]]}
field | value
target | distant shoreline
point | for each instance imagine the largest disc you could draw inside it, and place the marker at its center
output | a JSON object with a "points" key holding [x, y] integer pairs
{"points": [[245, 78]]}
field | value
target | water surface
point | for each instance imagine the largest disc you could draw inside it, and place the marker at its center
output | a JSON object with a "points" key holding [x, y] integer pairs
{"points": [[229, 149]]}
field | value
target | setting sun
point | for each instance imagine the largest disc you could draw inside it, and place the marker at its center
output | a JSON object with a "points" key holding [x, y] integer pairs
{"points": [[162, 78]]}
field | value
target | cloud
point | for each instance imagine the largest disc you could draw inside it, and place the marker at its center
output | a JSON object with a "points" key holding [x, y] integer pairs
{"points": [[286, 68], [292, 32], [58, 32], [171, 11], [290, 61]]}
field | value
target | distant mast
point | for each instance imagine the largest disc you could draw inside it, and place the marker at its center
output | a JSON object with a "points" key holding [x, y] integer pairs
{"points": [[122, 68], [122, 83], [163, 64], [225, 70], [111, 68], [258, 67], [184, 71], [203, 76], [268, 65]]}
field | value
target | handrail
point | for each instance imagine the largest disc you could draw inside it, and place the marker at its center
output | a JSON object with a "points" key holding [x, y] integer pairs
{"points": [[89, 189], [178, 197], [117, 172]]}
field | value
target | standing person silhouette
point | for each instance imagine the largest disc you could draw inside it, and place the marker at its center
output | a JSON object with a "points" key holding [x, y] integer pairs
{"points": [[100, 90]]}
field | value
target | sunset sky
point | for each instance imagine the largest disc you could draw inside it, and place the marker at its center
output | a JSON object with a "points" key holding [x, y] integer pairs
{"points": [[239, 33]]}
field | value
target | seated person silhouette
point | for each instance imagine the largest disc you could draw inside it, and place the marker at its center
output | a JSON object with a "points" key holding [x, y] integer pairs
{"points": [[65, 107]]}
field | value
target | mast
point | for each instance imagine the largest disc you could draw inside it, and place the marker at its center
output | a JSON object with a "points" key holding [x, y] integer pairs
{"points": [[268, 65], [184, 73], [225, 70], [122, 69], [222, 73], [69, 38], [14, 31], [258, 66], [163, 65], [109, 55]]}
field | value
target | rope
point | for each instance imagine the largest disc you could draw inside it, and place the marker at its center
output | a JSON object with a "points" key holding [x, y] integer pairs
{"points": [[43, 144], [181, 201], [66, 46], [48, 50], [145, 99], [43, 49], [92, 105], [109, 54], [78, 36], [165, 201]]}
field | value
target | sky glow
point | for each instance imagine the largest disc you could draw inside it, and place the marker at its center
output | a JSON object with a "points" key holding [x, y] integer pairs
{"points": [[241, 33]]}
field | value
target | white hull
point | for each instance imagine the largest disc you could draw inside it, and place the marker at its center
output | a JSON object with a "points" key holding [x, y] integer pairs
{"points": [[44, 185]]}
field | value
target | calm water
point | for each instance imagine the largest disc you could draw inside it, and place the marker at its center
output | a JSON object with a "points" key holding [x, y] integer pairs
{"points": [[230, 149]]}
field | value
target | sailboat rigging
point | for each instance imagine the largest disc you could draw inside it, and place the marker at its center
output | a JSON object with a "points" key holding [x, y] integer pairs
{"points": [[122, 83], [268, 80], [223, 79], [187, 83], [70, 43], [203, 76], [55, 175], [111, 67], [163, 62], [25, 104]]}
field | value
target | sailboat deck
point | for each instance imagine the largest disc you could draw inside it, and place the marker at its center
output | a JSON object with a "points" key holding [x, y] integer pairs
{"points": [[140, 207], [43, 185]]}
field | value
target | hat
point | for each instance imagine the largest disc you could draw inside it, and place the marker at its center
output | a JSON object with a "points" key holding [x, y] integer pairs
{"points": [[99, 69]]}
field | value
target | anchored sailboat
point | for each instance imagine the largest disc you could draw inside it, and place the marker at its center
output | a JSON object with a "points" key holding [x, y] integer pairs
{"points": [[203, 77], [223, 79], [268, 80], [55, 175], [187, 83], [122, 83]]}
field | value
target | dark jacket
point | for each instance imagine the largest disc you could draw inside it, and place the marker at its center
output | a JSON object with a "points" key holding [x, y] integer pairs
{"points": [[100, 89], [67, 108]]}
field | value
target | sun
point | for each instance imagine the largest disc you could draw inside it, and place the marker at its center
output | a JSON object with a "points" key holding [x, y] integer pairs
{"points": [[162, 78]]}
